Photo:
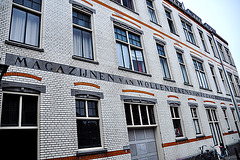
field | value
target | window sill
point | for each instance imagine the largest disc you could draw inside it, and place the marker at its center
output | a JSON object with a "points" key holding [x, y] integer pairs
{"points": [[230, 131], [91, 152], [206, 89], [200, 136], [129, 70], [125, 7], [24, 46], [219, 92], [193, 44], [207, 51], [84, 59], [167, 79], [187, 84], [181, 139], [228, 94], [156, 23], [175, 34]]}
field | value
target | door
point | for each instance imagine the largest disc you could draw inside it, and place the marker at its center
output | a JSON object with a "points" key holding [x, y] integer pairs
{"points": [[143, 144]]}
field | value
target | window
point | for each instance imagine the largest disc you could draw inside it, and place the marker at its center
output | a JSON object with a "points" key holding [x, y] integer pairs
{"points": [[214, 126], [238, 85], [188, 32], [126, 3], [230, 76], [235, 121], [203, 41], [170, 21], [200, 74], [223, 81], [195, 120], [129, 50], [163, 61], [19, 125], [176, 121], [151, 11], [183, 68], [82, 35], [228, 55], [88, 123], [226, 119], [25, 23], [212, 46], [221, 51], [214, 78], [139, 114]]}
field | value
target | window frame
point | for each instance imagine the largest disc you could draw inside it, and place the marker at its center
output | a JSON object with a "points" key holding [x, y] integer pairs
{"points": [[213, 73], [197, 118], [130, 47], [223, 78], [213, 46], [203, 40], [120, 2], [197, 70], [99, 119], [226, 119], [214, 119], [153, 11], [171, 20], [230, 60], [19, 126], [220, 46], [231, 81], [173, 117], [166, 59], [82, 28], [183, 64], [140, 115], [188, 32], [236, 78], [28, 10]]}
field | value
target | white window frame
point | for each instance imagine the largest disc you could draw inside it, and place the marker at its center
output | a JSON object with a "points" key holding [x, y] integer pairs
{"points": [[236, 78], [203, 40], [129, 45], [121, 3], [213, 73], [177, 118], [183, 64], [91, 118], [188, 32], [29, 10], [213, 47], [170, 19], [213, 119], [226, 119], [221, 51], [153, 9], [200, 80], [197, 119], [231, 80], [140, 115], [86, 29], [223, 78]]}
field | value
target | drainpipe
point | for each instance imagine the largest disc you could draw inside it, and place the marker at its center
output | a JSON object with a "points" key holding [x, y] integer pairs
{"points": [[225, 73]]}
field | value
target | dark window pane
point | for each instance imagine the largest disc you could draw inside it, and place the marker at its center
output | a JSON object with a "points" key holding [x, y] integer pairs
{"points": [[128, 4], [144, 115], [196, 124], [36, 6], [82, 19], [18, 1], [136, 117], [29, 110], [128, 114], [88, 133], [180, 59], [80, 108], [160, 50], [134, 39], [151, 115], [209, 115], [118, 1], [177, 127], [10, 110], [219, 133], [92, 108], [27, 3], [120, 34], [149, 3]]}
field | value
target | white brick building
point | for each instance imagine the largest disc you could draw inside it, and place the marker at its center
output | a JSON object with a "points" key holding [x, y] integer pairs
{"points": [[113, 79]]}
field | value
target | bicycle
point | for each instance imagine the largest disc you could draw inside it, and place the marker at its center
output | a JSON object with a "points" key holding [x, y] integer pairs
{"points": [[224, 153], [208, 155]]}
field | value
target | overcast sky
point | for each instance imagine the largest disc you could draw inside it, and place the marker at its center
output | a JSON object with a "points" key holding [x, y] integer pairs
{"points": [[224, 17]]}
